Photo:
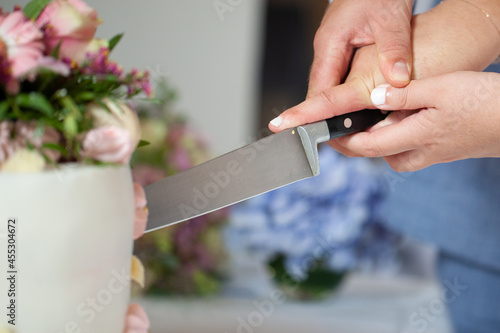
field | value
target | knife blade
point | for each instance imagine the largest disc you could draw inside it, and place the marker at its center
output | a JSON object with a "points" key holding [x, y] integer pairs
{"points": [[269, 163]]}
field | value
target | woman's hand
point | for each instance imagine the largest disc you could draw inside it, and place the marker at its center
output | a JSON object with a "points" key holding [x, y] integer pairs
{"points": [[446, 118], [136, 320], [141, 211]]}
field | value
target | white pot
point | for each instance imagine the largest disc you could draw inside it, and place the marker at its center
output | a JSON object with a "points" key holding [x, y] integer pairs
{"points": [[74, 232]]}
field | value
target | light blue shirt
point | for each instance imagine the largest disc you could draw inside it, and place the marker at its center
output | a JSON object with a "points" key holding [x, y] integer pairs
{"points": [[455, 206]]}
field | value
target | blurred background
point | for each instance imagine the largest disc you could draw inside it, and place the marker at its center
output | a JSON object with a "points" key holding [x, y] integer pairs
{"points": [[312, 256]]}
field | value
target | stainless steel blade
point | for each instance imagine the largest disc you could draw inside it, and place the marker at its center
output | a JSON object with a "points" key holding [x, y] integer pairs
{"points": [[267, 164]]}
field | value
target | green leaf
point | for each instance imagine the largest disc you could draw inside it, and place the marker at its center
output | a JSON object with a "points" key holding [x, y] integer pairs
{"points": [[70, 104], [70, 126], [114, 41], [157, 101], [55, 146], [35, 101], [319, 281], [85, 96], [103, 105], [143, 143], [110, 78], [55, 123], [55, 51], [4, 107], [33, 9]]}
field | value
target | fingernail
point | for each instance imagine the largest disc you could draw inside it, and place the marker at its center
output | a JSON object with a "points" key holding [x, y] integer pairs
{"points": [[400, 72], [387, 121], [378, 94], [276, 122]]}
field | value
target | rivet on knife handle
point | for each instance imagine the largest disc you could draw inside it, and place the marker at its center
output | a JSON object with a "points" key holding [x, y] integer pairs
{"points": [[322, 131], [354, 122]]}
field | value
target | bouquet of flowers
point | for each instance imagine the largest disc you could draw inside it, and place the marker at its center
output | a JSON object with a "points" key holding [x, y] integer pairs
{"points": [[63, 100], [61, 97], [310, 233], [186, 258]]}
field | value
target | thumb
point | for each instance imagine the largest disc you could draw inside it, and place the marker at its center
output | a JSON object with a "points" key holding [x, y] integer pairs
{"points": [[416, 95], [394, 53]]}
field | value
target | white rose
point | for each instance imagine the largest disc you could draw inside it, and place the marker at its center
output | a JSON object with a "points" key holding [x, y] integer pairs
{"points": [[118, 115], [24, 161]]}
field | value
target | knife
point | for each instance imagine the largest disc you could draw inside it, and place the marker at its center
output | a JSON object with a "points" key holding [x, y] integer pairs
{"points": [[269, 163]]}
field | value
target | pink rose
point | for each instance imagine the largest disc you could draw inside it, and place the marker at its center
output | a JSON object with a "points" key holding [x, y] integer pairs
{"points": [[108, 144], [141, 211], [21, 48], [73, 24], [137, 320]]}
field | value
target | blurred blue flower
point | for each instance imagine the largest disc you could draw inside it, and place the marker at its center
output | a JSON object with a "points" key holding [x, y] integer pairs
{"points": [[333, 218]]}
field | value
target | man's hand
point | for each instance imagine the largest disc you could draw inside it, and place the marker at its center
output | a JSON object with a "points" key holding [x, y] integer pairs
{"points": [[350, 24]]}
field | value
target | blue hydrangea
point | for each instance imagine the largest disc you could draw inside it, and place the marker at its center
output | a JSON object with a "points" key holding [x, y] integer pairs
{"points": [[333, 217]]}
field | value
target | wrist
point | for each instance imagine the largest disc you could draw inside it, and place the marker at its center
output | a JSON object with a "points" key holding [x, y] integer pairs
{"points": [[487, 11], [452, 37]]}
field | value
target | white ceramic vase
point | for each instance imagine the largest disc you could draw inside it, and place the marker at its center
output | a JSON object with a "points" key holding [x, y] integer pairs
{"points": [[73, 247]]}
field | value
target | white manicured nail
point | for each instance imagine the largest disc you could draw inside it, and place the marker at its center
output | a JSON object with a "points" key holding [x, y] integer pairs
{"points": [[276, 122], [378, 94]]}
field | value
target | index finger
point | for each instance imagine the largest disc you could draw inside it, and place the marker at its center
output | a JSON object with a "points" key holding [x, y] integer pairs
{"points": [[348, 97]]}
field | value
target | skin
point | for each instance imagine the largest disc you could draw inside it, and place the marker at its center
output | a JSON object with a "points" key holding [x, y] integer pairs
{"points": [[458, 117], [454, 36], [350, 24]]}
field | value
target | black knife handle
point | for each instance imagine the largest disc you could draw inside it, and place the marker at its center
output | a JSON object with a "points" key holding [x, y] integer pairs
{"points": [[354, 122]]}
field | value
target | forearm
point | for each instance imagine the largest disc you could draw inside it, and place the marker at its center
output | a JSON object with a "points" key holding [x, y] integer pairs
{"points": [[456, 35]]}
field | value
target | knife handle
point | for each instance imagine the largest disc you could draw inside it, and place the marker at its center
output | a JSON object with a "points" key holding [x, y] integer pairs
{"points": [[354, 122]]}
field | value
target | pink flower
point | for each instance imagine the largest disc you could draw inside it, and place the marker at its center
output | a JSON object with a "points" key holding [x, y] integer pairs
{"points": [[180, 159], [73, 24], [137, 320], [98, 63], [139, 82], [11, 84], [117, 113], [146, 175], [108, 144], [21, 48], [141, 211], [29, 133], [18, 135], [55, 66], [7, 146]]}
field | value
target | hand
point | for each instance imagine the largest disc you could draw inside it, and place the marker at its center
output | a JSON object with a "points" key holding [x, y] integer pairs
{"points": [[136, 320], [351, 96], [452, 117], [350, 24], [141, 211], [442, 43]]}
